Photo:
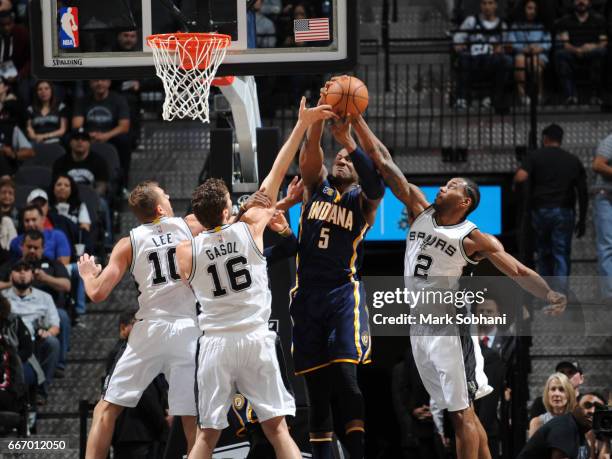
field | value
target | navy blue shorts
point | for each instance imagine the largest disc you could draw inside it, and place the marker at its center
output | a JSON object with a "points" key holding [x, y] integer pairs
{"points": [[329, 325]]}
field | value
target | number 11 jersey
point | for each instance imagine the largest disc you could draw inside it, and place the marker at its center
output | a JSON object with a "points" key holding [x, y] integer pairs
{"points": [[229, 277], [162, 294]]}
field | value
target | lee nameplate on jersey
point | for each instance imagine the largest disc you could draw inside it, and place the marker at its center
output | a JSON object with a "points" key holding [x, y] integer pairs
{"points": [[68, 27]]}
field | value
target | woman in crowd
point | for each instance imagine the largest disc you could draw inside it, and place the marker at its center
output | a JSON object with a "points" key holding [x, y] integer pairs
{"points": [[559, 397], [47, 117], [7, 200], [64, 198], [530, 43]]}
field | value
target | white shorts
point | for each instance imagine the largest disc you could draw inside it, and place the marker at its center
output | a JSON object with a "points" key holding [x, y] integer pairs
{"points": [[154, 347], [245, 363], [451, 368]]}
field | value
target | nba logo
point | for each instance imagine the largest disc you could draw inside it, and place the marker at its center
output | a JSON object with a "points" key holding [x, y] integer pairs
{"points": [[69, 27]]}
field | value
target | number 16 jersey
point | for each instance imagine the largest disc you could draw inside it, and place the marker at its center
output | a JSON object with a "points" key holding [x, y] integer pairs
{"points": [[229, 277], [161, 291]]}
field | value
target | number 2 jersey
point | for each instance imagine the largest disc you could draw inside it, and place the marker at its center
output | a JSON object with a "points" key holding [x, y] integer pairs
{"points": [[332, 229], [229, 277], [162, 293], [434, 253]]}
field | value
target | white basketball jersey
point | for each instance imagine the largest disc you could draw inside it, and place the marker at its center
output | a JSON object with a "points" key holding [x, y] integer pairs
{"points": [[229, 277], [154, 267], [436, 252]]}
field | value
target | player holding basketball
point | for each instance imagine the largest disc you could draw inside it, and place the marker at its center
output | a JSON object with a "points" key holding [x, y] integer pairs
{"points": [[330, 318], [165, 336], [447, 364], [228, 274]]}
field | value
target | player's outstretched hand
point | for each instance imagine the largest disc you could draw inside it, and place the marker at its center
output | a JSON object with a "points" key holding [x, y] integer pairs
{"points": [[278, 222], [341, 131], [557, 302], [295, 190], [88, 267], [307, 116], [258, 199]]}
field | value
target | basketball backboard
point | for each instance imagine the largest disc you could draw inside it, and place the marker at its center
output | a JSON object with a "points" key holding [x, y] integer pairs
{"points": [[80, 39]]}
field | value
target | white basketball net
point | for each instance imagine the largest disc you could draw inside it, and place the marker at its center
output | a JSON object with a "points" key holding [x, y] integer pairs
{"points": [[187, 64]]}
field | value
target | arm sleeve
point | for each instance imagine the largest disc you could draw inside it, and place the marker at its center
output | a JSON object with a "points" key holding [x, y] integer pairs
{"points": [[371, 182], [51, 317], [101, 172], [123, 110], [284, 249]]}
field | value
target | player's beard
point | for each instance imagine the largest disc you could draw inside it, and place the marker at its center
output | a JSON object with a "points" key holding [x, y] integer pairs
{"points": [[342, 180]]}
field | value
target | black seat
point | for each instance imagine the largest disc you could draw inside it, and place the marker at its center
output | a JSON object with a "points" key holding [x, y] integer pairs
{"points": [[38, 176], [21, 195], [46, 154], [90, 198], [111, 156]]}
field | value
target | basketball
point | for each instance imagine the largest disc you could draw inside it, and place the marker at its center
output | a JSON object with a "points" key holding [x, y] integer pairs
{"points": [[348, 96]]}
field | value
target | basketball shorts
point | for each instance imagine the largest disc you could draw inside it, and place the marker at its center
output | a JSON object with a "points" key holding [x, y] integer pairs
{"points": [[247, 363], [451, 368], [329, 325], [157, 346]]}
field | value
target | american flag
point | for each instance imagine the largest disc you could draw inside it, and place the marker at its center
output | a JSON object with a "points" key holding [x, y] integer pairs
{"points": [[311, 29]]}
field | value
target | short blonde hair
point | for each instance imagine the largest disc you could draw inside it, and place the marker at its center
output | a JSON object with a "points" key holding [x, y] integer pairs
{"points": [[569, 390], [143, 201]]}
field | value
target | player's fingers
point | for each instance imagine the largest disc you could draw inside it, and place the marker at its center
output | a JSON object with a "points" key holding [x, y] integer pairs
{"points": [[302, 104]]}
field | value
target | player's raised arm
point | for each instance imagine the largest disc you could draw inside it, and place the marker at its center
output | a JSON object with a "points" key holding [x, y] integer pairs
{"points": [[307, 117], [372, 185], [408, 193], [311, 155], [99, 283], [487, 246], [257, 218]]}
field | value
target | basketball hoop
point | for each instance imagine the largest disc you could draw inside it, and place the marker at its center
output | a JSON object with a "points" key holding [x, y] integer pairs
{"points": [[187, 64]]}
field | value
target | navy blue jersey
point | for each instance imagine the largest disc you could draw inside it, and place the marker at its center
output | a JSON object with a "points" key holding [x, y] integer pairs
{"points": [[332, 229]]}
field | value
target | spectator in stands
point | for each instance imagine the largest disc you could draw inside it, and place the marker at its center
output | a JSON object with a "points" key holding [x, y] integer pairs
{"points": [[15, 332], [576, 377], [77, 239], [266, 30], [47, 116], [39, 314], [271, 8], [602, 209], [82, 164], [52, 219], [14, 49], [51, 277], [7, 200], [106, 117], [582, 36], [140, 432], [411, 403], [56, 244], [559, 398], [531, 43], [563, 436], [598, 446], [556, 176], [481, 55], [14, 145], [65, 200]]}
